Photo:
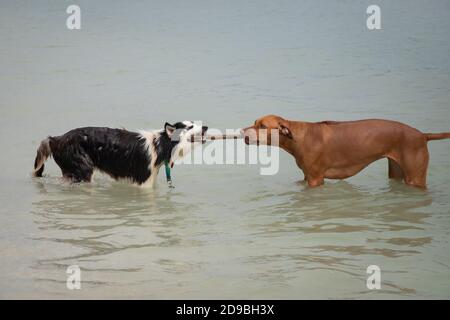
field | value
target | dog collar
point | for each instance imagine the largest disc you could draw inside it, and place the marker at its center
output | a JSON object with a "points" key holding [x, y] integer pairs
{"points": [[168, 177]]}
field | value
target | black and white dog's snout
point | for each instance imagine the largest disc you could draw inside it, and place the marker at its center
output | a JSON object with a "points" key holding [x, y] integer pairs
{"points": [[199, 136]]}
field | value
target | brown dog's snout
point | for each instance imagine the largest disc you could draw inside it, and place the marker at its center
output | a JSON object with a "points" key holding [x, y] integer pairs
{"points": [[250, 135]]}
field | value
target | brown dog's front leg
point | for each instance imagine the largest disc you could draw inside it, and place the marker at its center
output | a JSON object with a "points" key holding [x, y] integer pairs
{"points": [[315, 182]]}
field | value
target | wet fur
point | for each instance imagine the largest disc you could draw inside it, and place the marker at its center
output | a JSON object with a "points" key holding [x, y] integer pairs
{"points": [[119, 153]]}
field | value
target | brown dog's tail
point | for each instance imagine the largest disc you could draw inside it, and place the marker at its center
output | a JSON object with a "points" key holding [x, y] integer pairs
{"points": [[437, 136], [43, 152]]}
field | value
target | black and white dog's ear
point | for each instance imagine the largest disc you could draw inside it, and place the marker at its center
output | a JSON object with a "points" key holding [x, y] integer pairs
{"points": [[170, 129]]}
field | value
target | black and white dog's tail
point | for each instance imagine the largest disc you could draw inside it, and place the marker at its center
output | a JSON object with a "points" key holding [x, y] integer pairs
{"points": [[43, 152]]}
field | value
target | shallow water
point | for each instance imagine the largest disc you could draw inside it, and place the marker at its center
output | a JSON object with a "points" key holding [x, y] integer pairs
{"points": [[225, 231]]}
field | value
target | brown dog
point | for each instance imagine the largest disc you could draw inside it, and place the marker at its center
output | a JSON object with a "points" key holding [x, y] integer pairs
{"points": [[338, 150]]}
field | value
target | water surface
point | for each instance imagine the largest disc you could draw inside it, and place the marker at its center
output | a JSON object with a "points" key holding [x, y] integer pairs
{"points": [[224, 231]]}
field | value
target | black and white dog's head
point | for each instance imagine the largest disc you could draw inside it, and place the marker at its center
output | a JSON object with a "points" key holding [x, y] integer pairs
{"points": [[180, 138]]}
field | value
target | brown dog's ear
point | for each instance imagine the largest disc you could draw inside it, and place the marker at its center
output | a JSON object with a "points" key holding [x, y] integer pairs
{"points": [[284, 130]]}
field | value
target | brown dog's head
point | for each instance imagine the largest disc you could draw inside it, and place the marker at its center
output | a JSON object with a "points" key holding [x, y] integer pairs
{"points": [[261, 132]]}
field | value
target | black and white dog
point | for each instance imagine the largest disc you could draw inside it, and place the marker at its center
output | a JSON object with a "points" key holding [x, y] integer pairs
{"points": [[119, 153]]}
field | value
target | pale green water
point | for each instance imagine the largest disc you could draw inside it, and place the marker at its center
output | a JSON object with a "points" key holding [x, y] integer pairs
{"points": [[225, 231]]}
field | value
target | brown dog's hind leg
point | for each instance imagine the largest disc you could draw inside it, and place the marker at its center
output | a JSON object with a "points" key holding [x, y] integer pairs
{"points": [[395, 171]]}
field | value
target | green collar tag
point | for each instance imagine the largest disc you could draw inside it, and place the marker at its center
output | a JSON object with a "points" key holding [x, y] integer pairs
{"points": [[168, 177], [166, 165]]}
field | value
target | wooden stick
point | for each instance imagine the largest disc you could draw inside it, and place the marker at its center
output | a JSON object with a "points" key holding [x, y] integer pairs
{"points": [[223, 136], [216, 137]]}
